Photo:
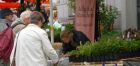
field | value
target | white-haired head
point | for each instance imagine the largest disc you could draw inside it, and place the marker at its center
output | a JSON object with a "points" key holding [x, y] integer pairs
{"points": [[25, 16]]}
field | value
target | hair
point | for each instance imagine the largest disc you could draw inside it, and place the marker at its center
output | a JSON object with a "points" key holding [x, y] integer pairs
{"points": [[25, 14], [5, 12], [66, 34], [36, 16]]}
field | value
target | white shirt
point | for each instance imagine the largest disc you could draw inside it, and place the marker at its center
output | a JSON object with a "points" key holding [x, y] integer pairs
{"points": [[33, 47]]}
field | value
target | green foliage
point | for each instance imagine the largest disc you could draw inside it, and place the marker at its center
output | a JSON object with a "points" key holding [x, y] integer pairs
{"points": [[71, 4], [85, 50], [108, 46], [57, 31], [57, 35], [69, 26], [107, 15], [46, 26], [99, 2], [74, 53]]}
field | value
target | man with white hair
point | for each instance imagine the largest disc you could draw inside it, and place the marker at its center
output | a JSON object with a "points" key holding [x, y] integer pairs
{"points": [[21, 22]]}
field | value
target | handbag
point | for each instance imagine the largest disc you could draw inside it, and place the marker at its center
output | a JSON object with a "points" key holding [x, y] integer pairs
{"points": [[13, 61]]}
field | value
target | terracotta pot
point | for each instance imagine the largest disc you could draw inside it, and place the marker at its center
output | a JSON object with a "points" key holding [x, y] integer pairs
{"points": [[102, 28], [111, 27]]}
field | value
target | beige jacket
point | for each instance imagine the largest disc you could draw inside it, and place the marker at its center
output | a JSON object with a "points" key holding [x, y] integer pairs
{"points": [[17, 26], [33, 47]]}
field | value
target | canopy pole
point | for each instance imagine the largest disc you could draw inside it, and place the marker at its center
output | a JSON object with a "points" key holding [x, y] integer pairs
{"points": [[51, 22]]}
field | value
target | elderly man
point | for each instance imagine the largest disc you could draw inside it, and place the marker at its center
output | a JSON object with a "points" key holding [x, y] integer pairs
{"points": [[5, 21], [33, 47], [21, 22]]}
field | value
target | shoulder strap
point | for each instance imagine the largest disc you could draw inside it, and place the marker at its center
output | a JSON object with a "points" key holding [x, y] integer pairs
{"points": [[16, 24], [7, 25]]}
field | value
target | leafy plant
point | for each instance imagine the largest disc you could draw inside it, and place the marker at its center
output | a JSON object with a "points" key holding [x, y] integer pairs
{"points": [[74, 53], [108, 46], [71, 4], [69, 26], [86, 49], [57, 35], [107, 15], [57, 32]]}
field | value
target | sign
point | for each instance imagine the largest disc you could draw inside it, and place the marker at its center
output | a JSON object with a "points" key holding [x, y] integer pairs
{"points": [[85, 17]]}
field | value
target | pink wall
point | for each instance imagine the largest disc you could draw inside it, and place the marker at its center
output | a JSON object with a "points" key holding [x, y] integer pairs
{"points": [[85, 17]]}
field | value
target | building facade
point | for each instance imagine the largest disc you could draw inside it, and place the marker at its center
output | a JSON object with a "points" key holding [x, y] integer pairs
{"points": [[65, 13], [129, 13]]}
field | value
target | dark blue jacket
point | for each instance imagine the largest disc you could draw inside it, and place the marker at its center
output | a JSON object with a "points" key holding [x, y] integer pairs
{"points": [[78, 37]]}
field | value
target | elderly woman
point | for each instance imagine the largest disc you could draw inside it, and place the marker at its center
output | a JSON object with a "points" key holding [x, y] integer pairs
{"points": [[21, 22]]}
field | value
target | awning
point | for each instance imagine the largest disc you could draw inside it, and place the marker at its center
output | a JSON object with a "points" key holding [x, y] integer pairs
{"points": [[45, 1], [9, 5], [30, 0], [10, 0], [42, 2]]}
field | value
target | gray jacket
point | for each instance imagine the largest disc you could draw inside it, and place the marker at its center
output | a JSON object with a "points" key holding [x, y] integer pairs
{"points": [[17, 26], [3, 23]]}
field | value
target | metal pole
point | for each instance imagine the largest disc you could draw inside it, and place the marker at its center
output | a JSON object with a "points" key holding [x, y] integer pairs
{"points": [[51, 21]]}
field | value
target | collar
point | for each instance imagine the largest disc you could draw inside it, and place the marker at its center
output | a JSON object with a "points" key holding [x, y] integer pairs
{"points": [[33, 25]]}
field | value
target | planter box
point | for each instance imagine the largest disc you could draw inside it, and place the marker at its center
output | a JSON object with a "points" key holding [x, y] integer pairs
{"points": [[103, 58], [93, 58]]}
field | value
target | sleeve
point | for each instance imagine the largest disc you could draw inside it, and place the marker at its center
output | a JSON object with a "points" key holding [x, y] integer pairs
{"points": [[67, 48], [17, 28], [48, 49], [2, 26], [64, 48]]}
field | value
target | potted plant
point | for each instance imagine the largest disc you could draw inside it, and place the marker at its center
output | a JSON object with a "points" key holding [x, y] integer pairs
{"points": [[71, 4], [107, 16]]}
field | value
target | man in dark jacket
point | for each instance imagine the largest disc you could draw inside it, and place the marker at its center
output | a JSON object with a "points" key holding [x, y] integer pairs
{"points": [[6, 16], [71, 39]]}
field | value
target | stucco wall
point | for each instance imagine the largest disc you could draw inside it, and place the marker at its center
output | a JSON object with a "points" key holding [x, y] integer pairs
{"points": [[128, 13]]}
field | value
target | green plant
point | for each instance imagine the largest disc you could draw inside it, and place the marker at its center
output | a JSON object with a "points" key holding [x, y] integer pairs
{"points": [[107, 15], [71, 4], [86, 49], [111, 45], [57, 32], [57, 35], [45, 26], [74, 53], [69, 26], [83, 50]]}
